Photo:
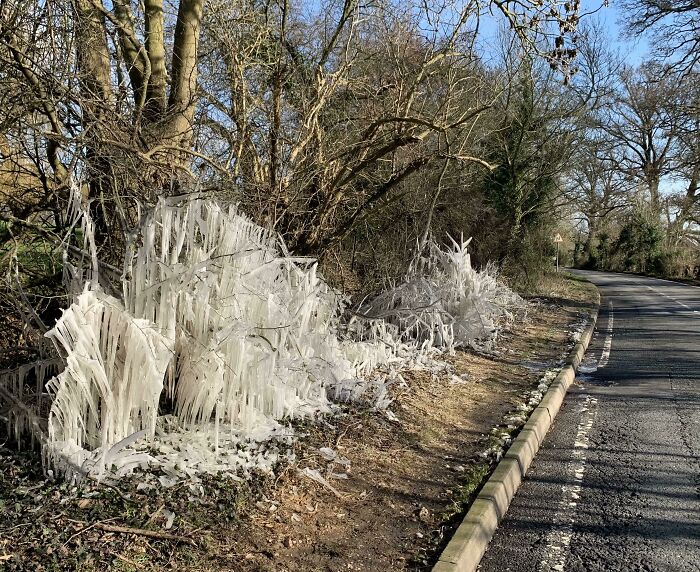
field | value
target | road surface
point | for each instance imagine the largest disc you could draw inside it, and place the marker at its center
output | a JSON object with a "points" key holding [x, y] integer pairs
{"points": [[616, 485]]}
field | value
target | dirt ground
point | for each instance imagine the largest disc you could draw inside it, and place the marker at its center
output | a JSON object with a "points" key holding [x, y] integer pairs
{"points": [[402, 480]]}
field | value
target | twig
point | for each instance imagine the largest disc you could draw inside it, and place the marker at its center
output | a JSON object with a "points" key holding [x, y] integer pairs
{"points": [[116, 490], [84, 529], [347, 428], [144, 532], [6, 530], [155, 514]]}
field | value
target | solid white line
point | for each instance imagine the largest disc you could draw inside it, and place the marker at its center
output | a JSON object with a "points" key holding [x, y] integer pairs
{"points": [[605, 356], [558, 539]]}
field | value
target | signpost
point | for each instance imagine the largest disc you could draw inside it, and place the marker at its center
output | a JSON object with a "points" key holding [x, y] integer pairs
{"points": [[558, 239]]}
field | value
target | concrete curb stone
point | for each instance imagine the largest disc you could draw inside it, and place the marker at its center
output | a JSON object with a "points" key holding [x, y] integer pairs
{"points": [[468, 544]]}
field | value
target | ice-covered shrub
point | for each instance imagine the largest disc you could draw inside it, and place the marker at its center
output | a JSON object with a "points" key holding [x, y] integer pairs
{"points": [[217, 319], [115, 365], [444, 302], [240, 334]]}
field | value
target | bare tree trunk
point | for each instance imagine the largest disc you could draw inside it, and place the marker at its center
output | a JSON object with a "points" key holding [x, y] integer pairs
{"points": [[182, 102], [275, 187], [93, 60], [428, 223], [96, 99], [653, 182], [685, 214], [588, 245], [156, 94]]}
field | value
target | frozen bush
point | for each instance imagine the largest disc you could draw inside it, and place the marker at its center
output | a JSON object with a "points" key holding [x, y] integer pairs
{"points": [[238, 335], [444, 302]]}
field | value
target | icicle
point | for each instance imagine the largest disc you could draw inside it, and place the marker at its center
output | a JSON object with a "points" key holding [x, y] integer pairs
{"points": [[444, 302], [110, 387], [241, 335]]}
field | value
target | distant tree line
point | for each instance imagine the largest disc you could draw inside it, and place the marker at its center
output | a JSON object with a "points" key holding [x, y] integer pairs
{"points": [[634, 181]]}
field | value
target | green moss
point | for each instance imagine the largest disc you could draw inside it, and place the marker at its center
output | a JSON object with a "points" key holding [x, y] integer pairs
{"points": [[474, 477], [35, 259]]}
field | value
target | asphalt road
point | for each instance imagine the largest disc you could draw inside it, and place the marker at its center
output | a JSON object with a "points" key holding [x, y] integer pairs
{"points": [[616, 485]]}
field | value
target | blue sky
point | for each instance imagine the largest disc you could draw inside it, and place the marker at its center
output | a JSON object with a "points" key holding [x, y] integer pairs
{"points": [[633, 50], [612, 18]]}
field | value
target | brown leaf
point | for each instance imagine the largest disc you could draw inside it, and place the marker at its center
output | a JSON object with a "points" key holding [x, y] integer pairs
{"points": [[84, 503]]}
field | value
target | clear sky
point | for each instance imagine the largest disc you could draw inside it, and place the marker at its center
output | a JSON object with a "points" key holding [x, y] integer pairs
{"points": [[611, 17]]}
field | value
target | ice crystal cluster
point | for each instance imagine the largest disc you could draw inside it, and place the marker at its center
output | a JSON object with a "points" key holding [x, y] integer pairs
{"points": [[218, 321], [445, 303]]}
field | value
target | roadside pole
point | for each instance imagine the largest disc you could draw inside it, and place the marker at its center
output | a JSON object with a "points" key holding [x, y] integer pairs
{"points": [[557, 240]]}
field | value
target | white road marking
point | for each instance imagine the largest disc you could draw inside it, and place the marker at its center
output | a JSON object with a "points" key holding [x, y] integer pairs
{"points": [[605, 356], [589, 363], [673, 299], [558, 539]]}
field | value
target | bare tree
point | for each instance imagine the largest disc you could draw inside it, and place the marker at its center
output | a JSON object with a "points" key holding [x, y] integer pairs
{"points": [[644, 125], [684, 204], [596, 189], [375, 102], [100, 94], [675, 26]]}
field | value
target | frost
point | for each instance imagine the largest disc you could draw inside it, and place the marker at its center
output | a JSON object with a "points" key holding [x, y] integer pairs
{"points": [[316, 476], [169, 518], [459, 379], [22, 391], [327, 453], [444, 302], [578, 328], [254, 330]]}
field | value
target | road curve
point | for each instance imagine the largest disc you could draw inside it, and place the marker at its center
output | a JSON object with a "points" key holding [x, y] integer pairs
{"points": [[616, 484]]}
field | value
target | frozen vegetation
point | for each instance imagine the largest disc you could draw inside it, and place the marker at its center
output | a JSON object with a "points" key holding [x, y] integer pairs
{"points": [[234, 336], [444, 302]]}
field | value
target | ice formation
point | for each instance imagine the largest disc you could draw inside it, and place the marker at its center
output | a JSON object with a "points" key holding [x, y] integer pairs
{"points": [[22, 390], [218, 322], [445, 303], [239, 335], [113, 377]]}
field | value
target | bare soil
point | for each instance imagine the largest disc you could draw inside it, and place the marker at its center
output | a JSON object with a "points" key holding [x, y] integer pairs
{"points": [[410, 478]]}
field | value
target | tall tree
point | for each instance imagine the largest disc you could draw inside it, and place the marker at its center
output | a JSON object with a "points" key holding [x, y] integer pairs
{"points": [[539, 123], [101, 96], [596, 189], [643, 122], [674, 25], [117, 88]]}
